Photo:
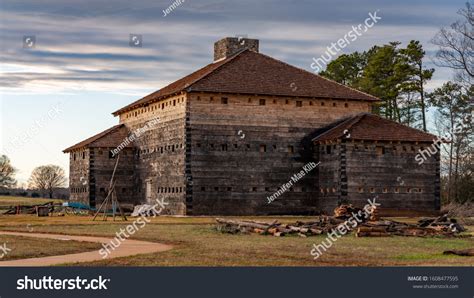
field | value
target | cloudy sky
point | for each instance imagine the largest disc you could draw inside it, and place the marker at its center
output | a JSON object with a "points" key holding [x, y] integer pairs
{"points": [[82, 67]]}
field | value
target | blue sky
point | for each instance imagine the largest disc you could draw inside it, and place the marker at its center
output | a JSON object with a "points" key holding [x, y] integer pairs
{"points": [[82, 68]]}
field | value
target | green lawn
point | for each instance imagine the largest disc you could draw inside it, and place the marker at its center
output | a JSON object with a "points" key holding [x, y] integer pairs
{"points": [[197, 243]]}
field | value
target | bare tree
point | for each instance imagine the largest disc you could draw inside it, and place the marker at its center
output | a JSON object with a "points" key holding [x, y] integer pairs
{"points": [[453, 120], [7, 172], [456, 45], [47, 178]]}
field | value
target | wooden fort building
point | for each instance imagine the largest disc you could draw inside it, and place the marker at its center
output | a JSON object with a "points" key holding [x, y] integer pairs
{"points": [[227, 138]]}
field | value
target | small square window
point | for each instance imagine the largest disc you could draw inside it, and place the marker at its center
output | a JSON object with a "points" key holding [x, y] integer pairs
{"points": [[262, 102], [254, 189], [310, 103], [224, 100], [323, 103], [299, 103], [263, 148], [328, 149], [291, 149], [229, 188], [380, 150], [334, 104], [224, 147], [346, 105], [372, 190], [361, 189]]}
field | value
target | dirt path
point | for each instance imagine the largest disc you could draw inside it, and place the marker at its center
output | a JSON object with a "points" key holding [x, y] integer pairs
{"points": [[127, 248]]}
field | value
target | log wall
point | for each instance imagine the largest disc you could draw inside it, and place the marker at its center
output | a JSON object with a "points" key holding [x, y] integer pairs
{"points": [[160, 152], [79, 176], [242, 149], [387, 171]]}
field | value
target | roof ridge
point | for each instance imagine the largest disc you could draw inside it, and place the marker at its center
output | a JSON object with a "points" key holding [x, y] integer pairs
{"points": [[350, 123], [357, 119], [350, 118], [403, 125], [95, 137], [224, 62], [315, 74], [186, 85]]}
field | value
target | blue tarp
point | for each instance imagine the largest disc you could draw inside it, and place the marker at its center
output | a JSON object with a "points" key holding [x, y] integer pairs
{"points": [[77, 205]]}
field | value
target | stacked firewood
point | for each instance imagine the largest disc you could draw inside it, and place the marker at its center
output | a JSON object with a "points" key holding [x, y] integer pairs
{"points": [[440, 226], [275, 228]]}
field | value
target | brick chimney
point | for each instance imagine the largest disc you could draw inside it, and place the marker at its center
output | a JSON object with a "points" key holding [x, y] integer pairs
{"points": [[229, 46]]}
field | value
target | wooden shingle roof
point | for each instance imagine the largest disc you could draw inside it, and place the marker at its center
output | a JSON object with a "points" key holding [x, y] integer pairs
{"points": [[371, 127], [109, 138], [248, 72]]}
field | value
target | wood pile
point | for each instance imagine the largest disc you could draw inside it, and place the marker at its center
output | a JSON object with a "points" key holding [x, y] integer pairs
{"points": [[440, 226], [345, 211], [275, 228], [32, 209]]}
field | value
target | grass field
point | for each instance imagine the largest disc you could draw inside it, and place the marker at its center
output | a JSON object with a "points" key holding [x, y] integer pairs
{"points": [[6, 201], [197, 243], [28, 247]]}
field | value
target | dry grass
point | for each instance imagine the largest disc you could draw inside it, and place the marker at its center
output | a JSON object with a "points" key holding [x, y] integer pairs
{"points": [[197, 243], [24, 201], [30, 247]]}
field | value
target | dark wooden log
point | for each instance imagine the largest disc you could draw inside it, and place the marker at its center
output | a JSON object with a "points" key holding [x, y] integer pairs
{"points": [[461, 252]]}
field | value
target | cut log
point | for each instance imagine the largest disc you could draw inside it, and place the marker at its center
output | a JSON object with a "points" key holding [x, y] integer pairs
{"points": [[461, 252], [372, 234], [381, 229]]}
